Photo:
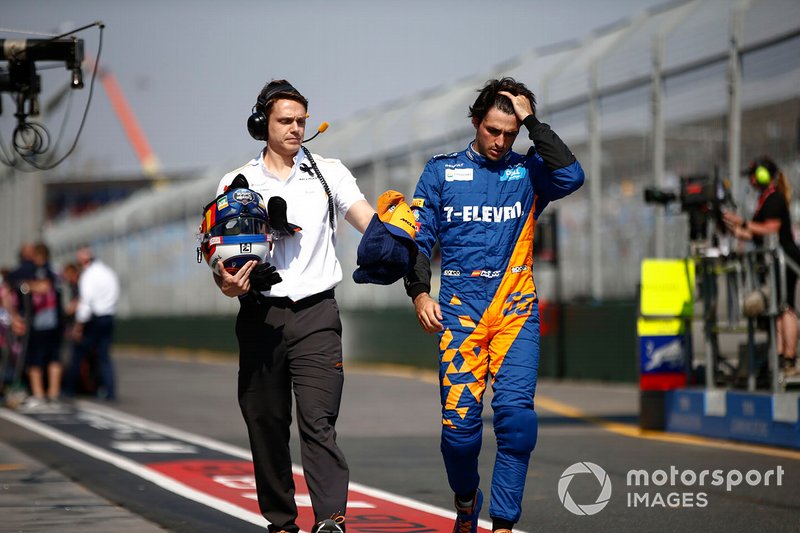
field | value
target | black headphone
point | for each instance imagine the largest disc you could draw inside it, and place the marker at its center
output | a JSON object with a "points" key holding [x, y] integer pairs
{"points": [[257, 126], [258, 121]]}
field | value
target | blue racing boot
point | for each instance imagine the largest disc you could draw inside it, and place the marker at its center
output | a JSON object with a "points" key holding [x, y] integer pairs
{"points": [[467, 517]]}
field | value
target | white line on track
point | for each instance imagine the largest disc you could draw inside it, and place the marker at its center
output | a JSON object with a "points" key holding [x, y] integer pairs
{"points": [[181, 489], [132, 467]]}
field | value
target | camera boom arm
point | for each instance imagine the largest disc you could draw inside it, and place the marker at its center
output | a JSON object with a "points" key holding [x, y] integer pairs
{"points": [[21, 77]]}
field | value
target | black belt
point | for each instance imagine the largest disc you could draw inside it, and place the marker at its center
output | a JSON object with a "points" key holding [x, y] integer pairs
{"points": [[284, 301]]}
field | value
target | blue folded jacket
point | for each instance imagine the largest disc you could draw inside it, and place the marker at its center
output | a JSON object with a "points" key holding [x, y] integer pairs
{"points": [[383, 256]]}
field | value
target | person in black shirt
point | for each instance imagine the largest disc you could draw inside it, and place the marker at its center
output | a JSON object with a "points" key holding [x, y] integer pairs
{"points": [[772, 216]]}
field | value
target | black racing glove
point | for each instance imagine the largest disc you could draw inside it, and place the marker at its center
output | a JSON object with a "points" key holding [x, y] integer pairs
{"points": [[281, 227], [239, 182], [263, 277]]}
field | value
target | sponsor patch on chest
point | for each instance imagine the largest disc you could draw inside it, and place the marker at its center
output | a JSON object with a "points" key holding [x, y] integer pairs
{"points": [[514, 173], [483, 213], [458, 174]]}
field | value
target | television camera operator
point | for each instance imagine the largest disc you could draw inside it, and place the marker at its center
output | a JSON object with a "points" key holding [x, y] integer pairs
{"points": [[772, 216]]}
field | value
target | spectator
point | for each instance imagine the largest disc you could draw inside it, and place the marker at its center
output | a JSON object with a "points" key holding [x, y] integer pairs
{"points": [[69, 290], [46, 332], [98, 292], [25, 268], [6, 320]]}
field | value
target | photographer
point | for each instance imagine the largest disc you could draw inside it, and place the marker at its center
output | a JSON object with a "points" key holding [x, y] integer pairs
{"points": [[772, 216]]}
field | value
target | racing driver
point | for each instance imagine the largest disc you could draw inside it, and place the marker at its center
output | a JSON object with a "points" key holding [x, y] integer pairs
{"points": [[482, 204]]}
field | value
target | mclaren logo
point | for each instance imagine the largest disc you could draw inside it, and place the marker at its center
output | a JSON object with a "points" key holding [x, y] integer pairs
{"points": [[410, 224]]}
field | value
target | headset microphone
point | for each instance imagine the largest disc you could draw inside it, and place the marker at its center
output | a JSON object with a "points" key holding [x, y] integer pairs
{"points": [[321, 129]]}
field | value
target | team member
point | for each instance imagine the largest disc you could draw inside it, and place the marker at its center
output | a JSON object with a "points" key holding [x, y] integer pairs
{"points": [[46, 332], [482, 205], [35, 311], [290, 334], [772, 216], [98, 293]]}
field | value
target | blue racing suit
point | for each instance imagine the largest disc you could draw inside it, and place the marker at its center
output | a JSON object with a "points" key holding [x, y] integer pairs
{"points": [[483, 213]]}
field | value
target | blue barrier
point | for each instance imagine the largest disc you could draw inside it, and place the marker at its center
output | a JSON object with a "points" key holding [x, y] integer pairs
{"points": [[743, 416]]}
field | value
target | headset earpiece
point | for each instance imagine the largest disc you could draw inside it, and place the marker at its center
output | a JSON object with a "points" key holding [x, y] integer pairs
{"points": [[257, 126], [258, 121], [762, 175]]}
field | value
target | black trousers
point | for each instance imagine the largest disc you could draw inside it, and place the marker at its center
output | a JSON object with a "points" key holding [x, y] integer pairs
{"points": [[98, 334], [287, 347]]}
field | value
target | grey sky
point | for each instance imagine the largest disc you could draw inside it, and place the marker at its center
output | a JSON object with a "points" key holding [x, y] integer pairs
{"points": [[191, 69]]}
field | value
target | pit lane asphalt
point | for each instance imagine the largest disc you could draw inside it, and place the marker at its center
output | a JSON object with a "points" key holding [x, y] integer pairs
{"points": [[389, 431]]}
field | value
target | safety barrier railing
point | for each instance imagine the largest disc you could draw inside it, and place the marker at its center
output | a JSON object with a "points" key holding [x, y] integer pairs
{"points": [[754, 284]]}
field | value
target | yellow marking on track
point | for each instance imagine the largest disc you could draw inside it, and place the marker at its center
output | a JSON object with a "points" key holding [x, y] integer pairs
{"points": [[548, 404], [629, 430]]}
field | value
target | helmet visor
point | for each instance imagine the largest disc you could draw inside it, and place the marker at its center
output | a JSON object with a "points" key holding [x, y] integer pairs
{"points": [[239, 226]]}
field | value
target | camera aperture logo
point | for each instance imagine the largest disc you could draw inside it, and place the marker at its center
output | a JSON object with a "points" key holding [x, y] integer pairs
{"points": [[602, 498], [672, 487]]}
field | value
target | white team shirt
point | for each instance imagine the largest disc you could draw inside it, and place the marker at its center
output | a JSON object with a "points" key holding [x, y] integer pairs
{"points": [[98, 292], [307, 261]]}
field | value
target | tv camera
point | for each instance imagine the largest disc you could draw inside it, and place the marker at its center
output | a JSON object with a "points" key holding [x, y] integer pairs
{"points": [[21, 78], [702, 197]]}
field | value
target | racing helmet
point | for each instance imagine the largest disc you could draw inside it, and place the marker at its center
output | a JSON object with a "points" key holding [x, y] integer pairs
{"points": [[234, 230]]}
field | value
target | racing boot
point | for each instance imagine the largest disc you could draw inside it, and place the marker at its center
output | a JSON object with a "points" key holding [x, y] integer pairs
{"points": [[467, 516], [334, 524], [500, 525]]}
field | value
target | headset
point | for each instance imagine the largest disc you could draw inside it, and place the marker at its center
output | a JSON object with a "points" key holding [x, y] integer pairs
{"points": [[763, 170], [257, 123]]}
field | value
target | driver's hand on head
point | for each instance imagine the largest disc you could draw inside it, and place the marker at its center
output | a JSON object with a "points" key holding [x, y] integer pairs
{"points": [[523, 107], [235, 284]]}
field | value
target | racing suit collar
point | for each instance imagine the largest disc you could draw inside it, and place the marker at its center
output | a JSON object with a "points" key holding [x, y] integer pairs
{"points": [[482, 160]]}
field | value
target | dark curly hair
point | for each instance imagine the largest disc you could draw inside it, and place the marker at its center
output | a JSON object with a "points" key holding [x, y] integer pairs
{"points": [[488, 97]]}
